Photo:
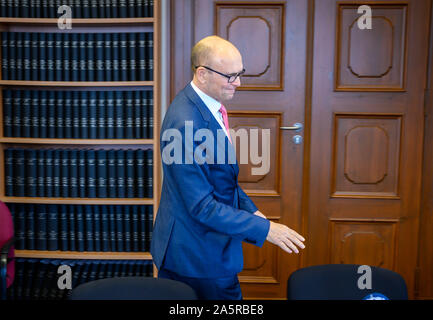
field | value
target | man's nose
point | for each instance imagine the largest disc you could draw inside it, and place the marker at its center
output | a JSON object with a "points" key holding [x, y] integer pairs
{"points": [[237, 82]]}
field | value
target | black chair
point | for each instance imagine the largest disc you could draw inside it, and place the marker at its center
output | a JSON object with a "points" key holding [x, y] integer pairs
{"points": [[133, 288], [340, 282], [7, 263]]}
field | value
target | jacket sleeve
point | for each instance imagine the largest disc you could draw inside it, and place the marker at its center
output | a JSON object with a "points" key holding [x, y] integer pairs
{"points": [[194, 189], [245, 203]]}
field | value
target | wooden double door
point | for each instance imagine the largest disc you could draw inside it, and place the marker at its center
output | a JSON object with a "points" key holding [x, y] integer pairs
{"points": [[349, 179]]}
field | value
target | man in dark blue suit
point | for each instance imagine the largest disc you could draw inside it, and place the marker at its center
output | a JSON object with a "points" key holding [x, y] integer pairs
{"points": [[204, 215]]}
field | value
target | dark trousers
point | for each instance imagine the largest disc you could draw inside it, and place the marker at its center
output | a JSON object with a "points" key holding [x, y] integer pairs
{"points": [[227, 288]]}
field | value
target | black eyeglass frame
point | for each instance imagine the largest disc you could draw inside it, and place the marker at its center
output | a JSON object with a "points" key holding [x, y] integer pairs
{"points": [[229, 77]]}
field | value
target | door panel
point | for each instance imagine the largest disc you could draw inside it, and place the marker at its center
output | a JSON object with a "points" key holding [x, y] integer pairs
{"points": [[272, 39], [367, 134]]}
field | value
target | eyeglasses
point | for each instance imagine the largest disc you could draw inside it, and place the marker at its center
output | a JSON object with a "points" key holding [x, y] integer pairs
{"points": [[230, 77]]}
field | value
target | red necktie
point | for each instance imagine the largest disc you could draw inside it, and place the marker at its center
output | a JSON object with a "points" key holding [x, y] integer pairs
{"points": [[225, 120]]}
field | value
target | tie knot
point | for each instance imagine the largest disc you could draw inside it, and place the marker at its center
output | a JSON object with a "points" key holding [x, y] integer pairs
{"points": [[223, 110]]}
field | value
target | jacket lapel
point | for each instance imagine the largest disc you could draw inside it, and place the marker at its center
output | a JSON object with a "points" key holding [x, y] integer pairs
{"points": [[211, 123]]}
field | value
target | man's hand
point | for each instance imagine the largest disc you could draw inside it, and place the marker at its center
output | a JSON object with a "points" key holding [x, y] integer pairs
{"points": [[258, 213], [284, 237]]}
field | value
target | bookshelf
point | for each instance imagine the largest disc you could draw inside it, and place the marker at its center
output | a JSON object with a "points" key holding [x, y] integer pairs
{"points": [[85, 25]]}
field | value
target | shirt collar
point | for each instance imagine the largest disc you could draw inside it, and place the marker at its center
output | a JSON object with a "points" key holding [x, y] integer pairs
{"points": [[212, 104]]}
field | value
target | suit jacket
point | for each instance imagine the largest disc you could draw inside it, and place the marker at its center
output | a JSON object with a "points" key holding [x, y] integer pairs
{"points": [[203, 215]]}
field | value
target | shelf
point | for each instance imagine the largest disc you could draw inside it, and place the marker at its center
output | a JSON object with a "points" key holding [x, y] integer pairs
{"points": [[102, 201], [77, 141], [83, 255], [76, 83], [93, 21]]}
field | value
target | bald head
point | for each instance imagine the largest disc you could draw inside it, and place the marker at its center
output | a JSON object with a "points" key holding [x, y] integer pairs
{"points": [[218, 59], [212, 50]]}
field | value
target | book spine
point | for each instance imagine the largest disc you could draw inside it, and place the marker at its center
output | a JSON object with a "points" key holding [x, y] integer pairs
{"points": [[100, 60], [132, 48], [142, 229], [72, 228], [42, 43], [126, 228], [9, 171], [150, 114], [137, 115], [82, 54], [119, 115], [90, 57], [75, 59], [123, 44], [60, 116], [19, 168], [63, 230], [30, 228], [91, 174], [112, 232], [20, 230], [49, 172], [131, 8], [93, 111], [35, 115], [105, 245], [31, 173], [82, 174], [50, 56], [123, 12], [26, 114], [112, 174], [149, 55], [102, 173], [65, 156], [89, 228], [53, 228], [67, 123], [102, 115], [52, 123], [16, 55], [41, 162], [129, 115], [130, 173], [97, 228], [66, 57], [134, 228], [43, 109], [121, 192], [149, 173], [5, 55], [73, 176], [34, 37], [16, 126], [76, 123], [41, 227], [80, 235], [115, 57], [58, 56], [108, 56], [142, 61], [140, 173], [56, 173], [110, 115], [84, 130], [7, 113], [119, 228]]}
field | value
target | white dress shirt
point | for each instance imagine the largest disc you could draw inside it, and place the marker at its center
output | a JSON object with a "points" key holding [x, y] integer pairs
{"points": [[212, 104]]}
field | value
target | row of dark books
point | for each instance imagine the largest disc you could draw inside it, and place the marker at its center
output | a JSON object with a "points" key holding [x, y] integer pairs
{"points": [[78, 114], [32, 56], [79, 173], [106, 228], [79, 8], [38, 279]]}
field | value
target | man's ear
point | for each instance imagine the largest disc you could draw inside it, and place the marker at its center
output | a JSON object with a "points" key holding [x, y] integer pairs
{"points": [[201, 75]]}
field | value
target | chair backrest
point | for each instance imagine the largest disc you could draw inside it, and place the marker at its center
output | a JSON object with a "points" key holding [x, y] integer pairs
{"points": [[6, 233], [343, 282], [133, 288]]}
